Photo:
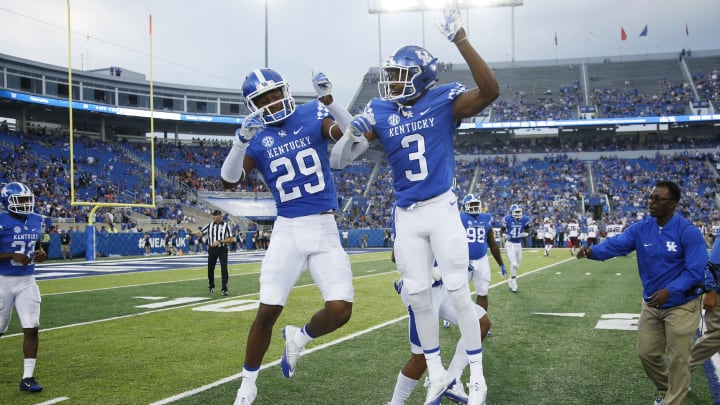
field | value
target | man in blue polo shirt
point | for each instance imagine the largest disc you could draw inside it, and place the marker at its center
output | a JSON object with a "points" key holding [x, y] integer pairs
{"points": [[671, 257]]}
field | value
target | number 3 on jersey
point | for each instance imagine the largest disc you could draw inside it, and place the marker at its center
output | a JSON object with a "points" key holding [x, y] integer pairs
{"points": [[419, 155]]}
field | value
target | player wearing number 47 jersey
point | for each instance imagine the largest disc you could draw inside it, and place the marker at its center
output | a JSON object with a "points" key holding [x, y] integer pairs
{"points": [[516, 226], [288, 145], [415, 120]]}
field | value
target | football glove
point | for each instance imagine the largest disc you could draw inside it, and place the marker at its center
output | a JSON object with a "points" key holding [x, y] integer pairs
{"points": [[451, 23], [250, 126], [361, 124], [322, 84], [503, 270]]}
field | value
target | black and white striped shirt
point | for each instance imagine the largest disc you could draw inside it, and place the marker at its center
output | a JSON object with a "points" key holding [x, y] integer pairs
{"points": [[216, 232]]}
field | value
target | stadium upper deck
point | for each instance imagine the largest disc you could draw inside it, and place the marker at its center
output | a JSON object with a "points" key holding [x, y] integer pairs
{"points": [[558, 95]]}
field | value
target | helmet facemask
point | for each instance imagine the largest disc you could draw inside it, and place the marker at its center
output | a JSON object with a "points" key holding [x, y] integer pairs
{"points": [[18, 198], [472, 205], [397, 77], [21, 204], [286, 108]]}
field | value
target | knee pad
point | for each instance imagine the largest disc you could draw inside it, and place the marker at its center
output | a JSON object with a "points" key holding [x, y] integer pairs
{"points": [[420, 301], [454, 281], [461, 298]]}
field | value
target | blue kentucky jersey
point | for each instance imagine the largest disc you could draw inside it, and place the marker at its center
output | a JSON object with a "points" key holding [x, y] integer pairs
{"points": [[515, 227], [418, 140], [476, 229], [293, 159], [19, 235]]}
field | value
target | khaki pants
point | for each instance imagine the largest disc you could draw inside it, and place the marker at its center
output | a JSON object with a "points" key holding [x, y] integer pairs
{"points": [[709, 343], [668, 331]]}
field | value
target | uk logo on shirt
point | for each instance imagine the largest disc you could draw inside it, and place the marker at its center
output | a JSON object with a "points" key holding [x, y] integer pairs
{"points": [[671, 246]]}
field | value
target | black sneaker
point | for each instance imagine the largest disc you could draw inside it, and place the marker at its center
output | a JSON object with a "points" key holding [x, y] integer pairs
{"points": [[224, 292], [211, 290], [29, 384]]}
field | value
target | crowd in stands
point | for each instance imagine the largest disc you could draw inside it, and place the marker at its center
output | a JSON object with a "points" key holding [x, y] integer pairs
{"points": [[556, 186], [552, 186]]}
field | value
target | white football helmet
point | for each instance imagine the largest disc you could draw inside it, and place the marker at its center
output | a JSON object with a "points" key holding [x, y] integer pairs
{"points": [[17, 198], [516, 211], [472, 205]]}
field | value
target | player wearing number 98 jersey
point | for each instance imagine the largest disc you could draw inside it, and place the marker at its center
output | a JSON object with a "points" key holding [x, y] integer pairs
{"points": [[480, 238], [288, 145]]}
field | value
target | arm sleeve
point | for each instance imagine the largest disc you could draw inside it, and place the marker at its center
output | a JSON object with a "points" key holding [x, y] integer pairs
{"points": [[232, 168], [341, 115], [347, 149]]}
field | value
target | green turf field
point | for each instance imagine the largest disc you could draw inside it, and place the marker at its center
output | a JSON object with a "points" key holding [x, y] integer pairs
{"points": [[157, 337]]}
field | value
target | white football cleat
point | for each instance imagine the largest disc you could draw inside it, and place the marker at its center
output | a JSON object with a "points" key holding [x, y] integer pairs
{"points": [[246, 394], [512, 285], [436, 389], [456, 393], [446, 324], [478, 392], [292, 351]]}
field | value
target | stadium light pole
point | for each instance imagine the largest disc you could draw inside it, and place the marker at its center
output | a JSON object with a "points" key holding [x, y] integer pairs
{"points": [[394, 6]]}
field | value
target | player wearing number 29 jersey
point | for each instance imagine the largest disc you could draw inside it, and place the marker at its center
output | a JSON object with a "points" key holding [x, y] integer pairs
{"points": [[293, 158], [288, 145]]}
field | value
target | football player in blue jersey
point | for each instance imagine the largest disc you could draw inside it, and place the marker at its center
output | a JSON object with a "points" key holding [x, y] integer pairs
{"points": [[516, 227], [288, 145], [480, 238], [415, 120], [20, 233]]}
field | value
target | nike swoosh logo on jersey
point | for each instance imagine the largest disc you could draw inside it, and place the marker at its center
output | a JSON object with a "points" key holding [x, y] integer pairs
{"points": [[297, 131], [647, 244], [453, 202], [425, 111]]}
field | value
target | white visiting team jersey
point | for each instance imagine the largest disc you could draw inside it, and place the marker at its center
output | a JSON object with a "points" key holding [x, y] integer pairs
{"points": [[613, 230], [573, 229], [592, 231]]}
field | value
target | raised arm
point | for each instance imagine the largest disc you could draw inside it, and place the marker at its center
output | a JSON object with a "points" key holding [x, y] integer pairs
{"points": [[488, 90]]}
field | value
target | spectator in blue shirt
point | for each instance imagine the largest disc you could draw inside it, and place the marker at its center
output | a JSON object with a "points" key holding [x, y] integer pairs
{"points": [[671, 257]]}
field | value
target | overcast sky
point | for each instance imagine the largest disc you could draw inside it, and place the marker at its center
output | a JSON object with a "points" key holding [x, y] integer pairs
{"points": [[217, 42]]}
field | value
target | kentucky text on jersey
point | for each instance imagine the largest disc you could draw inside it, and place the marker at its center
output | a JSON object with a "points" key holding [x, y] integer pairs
{"points": [[294, 144], [411, 127], [25, 236]]}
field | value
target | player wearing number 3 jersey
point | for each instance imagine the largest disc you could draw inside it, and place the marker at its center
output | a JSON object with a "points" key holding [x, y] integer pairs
{"points": [[288, 145], [415, 120]]}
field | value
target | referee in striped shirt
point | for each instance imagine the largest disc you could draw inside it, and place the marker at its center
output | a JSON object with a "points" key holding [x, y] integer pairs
{"points": [[218, 235]]}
